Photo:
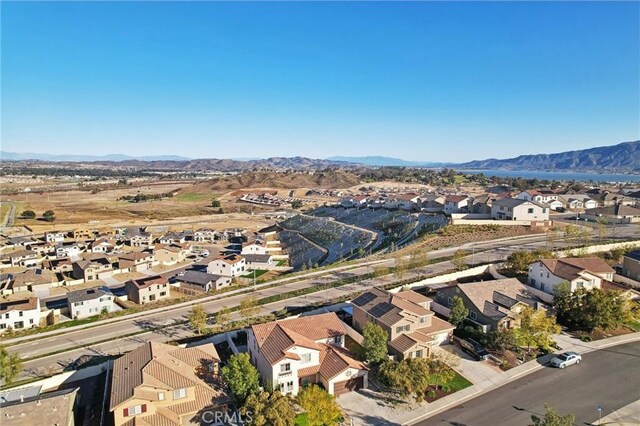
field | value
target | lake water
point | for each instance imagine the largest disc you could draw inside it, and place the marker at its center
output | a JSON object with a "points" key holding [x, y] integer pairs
{"points": [[530, 174]]}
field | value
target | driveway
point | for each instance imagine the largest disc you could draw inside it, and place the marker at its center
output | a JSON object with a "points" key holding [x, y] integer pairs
{"points": [[475, 371]]}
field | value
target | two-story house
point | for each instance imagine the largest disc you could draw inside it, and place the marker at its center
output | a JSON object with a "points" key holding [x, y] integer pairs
{"points": [[412, 327], [30, 407], [135, 261], [71, 250], [493, 304], [165, 385], [148, 289], [206, 235], [92, 268], [24, 258], [254, 247], [54, 236], [456, 204], [232, 265], [90, 302], [586, 272], [517, 209], [102, 245], [294, 352], [631, 265], [19, 314], [170, 254], [173, 238]]}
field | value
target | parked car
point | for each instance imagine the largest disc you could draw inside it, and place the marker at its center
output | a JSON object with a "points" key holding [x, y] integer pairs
{"points": [[474, 349], [566, 359], [561, 209]]}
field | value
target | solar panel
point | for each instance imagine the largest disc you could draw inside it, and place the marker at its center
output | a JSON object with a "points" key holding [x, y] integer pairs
{"points": [[363, 299], [381, 309]]}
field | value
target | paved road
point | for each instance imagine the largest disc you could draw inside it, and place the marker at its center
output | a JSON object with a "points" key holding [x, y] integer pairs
{"points": [[608, 377]]}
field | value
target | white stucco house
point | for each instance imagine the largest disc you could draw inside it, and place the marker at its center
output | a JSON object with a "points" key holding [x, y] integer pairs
{"points": [[90, 302], [232, 265], [517, 209], [588, 272], [19, 314], [308, 350]]}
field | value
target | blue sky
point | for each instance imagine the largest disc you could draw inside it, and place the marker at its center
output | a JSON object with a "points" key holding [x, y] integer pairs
{"points": [[429, 81]]}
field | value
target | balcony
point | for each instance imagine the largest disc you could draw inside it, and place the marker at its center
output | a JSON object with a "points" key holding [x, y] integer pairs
{"points": [[285, 374]]}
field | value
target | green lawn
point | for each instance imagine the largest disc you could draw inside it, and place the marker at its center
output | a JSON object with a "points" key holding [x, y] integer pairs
{"points": [[281, 262], [258, 273], [192, 197], [301, 419], [456, 383], [634, 325]]}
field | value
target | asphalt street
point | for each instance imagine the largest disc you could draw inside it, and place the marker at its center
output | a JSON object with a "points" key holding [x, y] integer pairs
{"points": [[609, 378]]}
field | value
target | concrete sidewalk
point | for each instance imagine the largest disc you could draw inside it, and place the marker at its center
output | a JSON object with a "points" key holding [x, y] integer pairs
{"points": [[371, 408], [626, 416]]}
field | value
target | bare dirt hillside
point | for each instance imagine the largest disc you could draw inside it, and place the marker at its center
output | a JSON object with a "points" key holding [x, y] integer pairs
{"points": [[329, 179]]}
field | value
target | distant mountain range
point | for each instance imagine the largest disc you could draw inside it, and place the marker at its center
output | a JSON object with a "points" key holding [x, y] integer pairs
{"points": [[621, 158], [387, 161], [16, 156]]}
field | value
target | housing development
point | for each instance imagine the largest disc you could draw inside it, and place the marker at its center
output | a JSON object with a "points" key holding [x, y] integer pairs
{"points": [[320, 213]]}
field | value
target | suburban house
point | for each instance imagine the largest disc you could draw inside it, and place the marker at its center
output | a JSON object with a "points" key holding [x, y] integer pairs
{"points": [[586, 272], [492, 304], [456, 204], [406, 317], [58, 265], [173, 238], [617, 213], [147, 290], [83, 234], [254, 247], [516, 209], [136, 237], [542, 196], [170, 254], [91, 269], [71, 250], [206, 235], [135, 261], [54, 237], [19, 314], [35, 280], [258, 261], [631, 265], [202, 281], [294, 352], [231, 265], [165, 385], [35, 408], [102, 245], [555, 205], [24, 258], [90, 302]]}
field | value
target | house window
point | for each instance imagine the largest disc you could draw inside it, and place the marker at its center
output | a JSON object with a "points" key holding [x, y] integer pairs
{"points": [[473, 315], [449, 301], [418, 354], [580, 284], [179, 394], [305, 358], [403, 328], [163, 293], [530, 211], [20, 314], [423, 320], [135, 410], [289, 386], [285, 368], [160, 396]]}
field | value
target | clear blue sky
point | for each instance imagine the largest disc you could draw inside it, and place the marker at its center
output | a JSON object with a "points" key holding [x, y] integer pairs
{"points": [[421, 81]]}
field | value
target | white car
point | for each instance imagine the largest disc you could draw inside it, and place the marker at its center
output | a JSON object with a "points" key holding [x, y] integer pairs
{"points": [[566, 359]]}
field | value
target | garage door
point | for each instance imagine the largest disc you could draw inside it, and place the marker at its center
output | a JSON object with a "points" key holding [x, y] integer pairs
{"points": [[348, 385]]}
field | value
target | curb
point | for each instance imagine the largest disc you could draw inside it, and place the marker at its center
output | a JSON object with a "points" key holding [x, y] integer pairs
{"points": [[606, 343]]}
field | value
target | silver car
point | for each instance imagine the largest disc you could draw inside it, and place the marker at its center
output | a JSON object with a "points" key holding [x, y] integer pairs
{"points": [[566, 359]]}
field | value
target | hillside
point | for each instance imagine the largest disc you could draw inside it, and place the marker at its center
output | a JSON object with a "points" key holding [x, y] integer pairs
{"points": [[624, 157], [386, 162], [329, 179]]}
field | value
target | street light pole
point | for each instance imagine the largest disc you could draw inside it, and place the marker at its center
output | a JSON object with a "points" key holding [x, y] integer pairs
{"points": [[599, 409]]}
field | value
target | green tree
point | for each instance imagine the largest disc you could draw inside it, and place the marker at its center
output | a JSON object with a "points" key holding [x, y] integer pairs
{"points": [[28, 214], [552, 418], [536, 328], [459, 312], [197, 317], [49, 216], [249, 306], [321, 408], [10, 366], [602, 227], [374, 343], [589, 309], [241, 376], [296, 204], [267, 409], [410, 377], [223, 315], [519, 261], [458, 259], [215, 204]]}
